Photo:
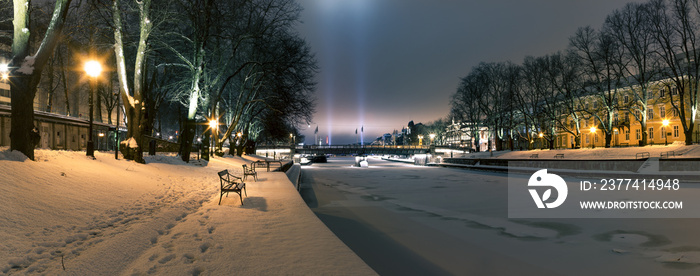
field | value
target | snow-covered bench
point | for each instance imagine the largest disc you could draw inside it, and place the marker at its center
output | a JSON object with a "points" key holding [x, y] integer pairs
{"points": [[231, 183], [249, 171], [559, 155]]}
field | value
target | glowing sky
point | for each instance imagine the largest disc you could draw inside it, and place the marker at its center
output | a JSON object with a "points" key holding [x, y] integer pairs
{"points": [[386, 62]]}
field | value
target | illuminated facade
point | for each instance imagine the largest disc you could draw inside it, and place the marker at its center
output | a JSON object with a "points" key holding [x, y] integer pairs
{"points": [[627, 129]]}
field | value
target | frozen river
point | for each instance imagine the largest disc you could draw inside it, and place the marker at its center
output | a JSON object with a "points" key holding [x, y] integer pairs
{"points": [[403, 219]]}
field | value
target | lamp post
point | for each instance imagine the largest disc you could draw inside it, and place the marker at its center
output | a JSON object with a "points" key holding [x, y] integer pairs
{"points": [[432, 137], [92, 69], [420, 140], [593, 131], [116, 130], [541, 135], [665, 124], [213, 124]]}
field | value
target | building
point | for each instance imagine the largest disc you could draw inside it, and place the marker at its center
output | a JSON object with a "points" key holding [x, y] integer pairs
{"points": [[663, 121]]}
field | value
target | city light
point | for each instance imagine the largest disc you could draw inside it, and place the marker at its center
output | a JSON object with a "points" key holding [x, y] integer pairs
{"points": [[5, 70], [593, 129], [541, 135], [93, 68], [213, 124]]}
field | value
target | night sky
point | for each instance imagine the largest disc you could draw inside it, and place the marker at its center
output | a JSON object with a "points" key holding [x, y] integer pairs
{"points": [[386, 62]]}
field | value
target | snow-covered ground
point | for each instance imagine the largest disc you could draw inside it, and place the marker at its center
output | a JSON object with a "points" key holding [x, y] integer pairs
{"points": [[679, 148], [68, 214], [467, 211]]}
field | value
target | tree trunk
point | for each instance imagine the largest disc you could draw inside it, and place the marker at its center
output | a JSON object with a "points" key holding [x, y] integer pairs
{"points": [[689, 135], [23, 134], [186, 139]]}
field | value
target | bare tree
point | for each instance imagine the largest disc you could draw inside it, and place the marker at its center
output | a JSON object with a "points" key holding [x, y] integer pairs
{"points": [[634, 32], [563, 73], [465, 107], [133, 95], [676, 28], [600, 58], [26, 72]]}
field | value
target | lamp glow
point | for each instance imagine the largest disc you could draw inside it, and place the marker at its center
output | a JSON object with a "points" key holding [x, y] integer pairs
{"points": [[541, 135], [4, 68], [593, 129], [665, 123], [93, 68], [213, 124]]}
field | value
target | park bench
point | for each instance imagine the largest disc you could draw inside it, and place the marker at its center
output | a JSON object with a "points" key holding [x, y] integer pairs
{"points": [[231, 183], [535, 155], [668, 154], [641, 155], [559, 155], [249, 171]]}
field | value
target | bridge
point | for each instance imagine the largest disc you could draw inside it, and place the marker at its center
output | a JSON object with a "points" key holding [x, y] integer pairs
{"points": [[345, 150], [362, 150]]}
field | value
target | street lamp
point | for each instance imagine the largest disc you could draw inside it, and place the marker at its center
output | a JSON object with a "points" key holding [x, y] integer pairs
{"points": [[432, 136], [541, 135], [213, 124], [665, 124], [593, 131], [5, 71], [92, 69], [420, 140]]}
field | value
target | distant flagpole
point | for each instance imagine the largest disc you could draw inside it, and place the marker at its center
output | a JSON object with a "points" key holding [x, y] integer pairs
{"points": [[316, 141]]}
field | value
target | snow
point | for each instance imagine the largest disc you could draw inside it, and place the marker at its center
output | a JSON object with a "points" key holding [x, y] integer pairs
{"points": [[471, 207], [27, 66], [679, 148], [131, 143], [66, 214]]}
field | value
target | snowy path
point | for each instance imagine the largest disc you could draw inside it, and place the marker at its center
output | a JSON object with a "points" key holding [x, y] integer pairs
{"points": [[109, 217], [463, 212]]}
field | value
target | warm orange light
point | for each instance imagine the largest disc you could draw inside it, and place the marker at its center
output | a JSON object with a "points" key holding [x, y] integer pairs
{"points": [[213, 124], [593, 129], [541, 134], [665, 123], [93, 68]]}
